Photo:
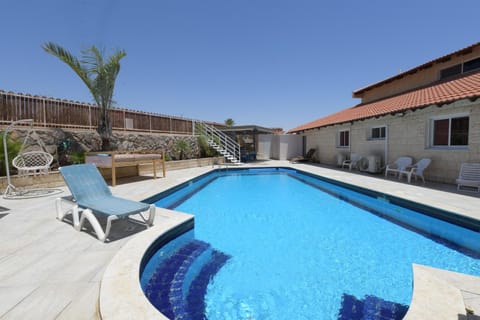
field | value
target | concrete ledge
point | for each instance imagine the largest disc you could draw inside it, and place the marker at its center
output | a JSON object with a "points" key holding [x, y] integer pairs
{"points": [[51, 180], [433, 297], [191, 163], [121, 296]]}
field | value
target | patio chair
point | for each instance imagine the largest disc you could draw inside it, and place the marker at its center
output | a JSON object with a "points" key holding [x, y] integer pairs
{"points": [[415, 170], [469, 176], [91, 196], [398, 165], [307, 157], [352, 162]]}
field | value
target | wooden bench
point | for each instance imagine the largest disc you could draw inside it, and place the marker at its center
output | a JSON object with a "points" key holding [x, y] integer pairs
{"points": [[117, 159]]}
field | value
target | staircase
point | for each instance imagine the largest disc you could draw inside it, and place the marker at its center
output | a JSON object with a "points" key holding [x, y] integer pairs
{"points": [[221, 142], [179, 284]]}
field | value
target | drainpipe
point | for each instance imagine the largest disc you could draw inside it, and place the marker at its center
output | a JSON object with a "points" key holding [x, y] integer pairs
{"points": [[386, 146], [350, 139]]}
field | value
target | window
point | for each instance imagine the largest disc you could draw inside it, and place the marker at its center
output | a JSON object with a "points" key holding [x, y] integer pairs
{"points": [[378, 133], [451, 131], [344, 138], [451, 71], [471, 65], [466, 66]]}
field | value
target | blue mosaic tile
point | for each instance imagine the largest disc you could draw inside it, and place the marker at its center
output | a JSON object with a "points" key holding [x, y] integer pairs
{"points": [[161, 284], [352, 308], [370, 308], [198, 288], [165, 287]]}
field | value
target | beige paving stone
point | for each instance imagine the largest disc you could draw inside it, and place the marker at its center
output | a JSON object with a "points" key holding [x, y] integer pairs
{"points": [[10, 297], [48, 270]]}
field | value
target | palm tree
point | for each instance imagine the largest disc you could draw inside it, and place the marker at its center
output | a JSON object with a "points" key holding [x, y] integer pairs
{"points": [[99, 75], [229, 122]]}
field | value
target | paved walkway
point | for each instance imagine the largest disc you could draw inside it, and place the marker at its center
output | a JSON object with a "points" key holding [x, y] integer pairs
{"points": [[50, 271]]}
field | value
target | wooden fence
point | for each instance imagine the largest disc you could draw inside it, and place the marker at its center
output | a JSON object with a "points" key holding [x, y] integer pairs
{"points": [[57, 113]]}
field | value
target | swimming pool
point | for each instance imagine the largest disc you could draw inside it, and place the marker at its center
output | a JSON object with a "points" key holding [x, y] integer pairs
{"points": [[281, 244]]}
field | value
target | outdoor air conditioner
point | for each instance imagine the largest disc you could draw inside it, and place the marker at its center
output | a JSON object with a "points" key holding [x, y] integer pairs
{"points": [[374, 164], [340, 159]]}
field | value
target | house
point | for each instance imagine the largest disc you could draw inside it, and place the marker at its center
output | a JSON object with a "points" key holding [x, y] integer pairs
{"points": [[431, 111]]}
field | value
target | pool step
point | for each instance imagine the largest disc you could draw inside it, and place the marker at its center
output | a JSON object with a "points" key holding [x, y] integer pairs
{"points": [[370, 308], [178, 286], [162, 284], [377, 308], [198, 288]]}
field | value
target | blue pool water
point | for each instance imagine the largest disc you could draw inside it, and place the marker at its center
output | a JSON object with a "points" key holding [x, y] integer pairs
{"points": [[272, 244]]}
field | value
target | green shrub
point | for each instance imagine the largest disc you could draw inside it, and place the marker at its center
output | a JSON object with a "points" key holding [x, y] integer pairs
{"points": [[205, 149], [76, 157], [13, 148], [182, 147]]}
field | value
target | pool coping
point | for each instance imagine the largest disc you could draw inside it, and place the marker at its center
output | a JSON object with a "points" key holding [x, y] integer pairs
{"points": [[435, 294], [121, 295]]}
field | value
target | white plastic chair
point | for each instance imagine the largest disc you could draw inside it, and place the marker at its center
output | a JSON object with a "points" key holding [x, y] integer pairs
{"points": [[33, 162], [416, 170], [399, 165], [469, 176], [355, 158]]}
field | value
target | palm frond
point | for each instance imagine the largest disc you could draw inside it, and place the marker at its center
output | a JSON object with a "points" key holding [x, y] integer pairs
{"points": [[70, 60]]}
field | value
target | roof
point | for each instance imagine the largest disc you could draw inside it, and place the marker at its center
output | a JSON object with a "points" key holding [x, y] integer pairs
{"points": [[440, 93], [426, 65], [252, 128]]}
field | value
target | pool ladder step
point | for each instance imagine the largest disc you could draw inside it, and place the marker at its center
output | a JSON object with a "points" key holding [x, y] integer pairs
{"points": [[178, 286], [370, 308]]}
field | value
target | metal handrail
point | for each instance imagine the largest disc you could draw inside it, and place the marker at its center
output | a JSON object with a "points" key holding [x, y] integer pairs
{"points": [[224, 142]]}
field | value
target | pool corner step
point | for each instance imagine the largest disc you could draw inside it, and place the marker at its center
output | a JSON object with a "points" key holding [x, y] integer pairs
{"points": [[178, 286], [370, 308], [198, 288], [162, 286], [376, 308]]}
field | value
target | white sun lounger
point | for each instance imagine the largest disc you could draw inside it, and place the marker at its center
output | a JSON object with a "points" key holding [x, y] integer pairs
{"points": [[469, 176], [91, 196]]}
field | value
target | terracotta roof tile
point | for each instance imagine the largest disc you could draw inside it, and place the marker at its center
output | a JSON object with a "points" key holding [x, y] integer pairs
{"points": [[439, 93]]}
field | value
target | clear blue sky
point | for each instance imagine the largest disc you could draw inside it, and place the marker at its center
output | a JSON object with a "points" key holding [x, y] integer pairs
{"points": [[274, 63]]}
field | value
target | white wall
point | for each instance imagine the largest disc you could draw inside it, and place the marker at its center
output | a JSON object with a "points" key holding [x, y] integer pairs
{"points": [[264, 146], [279, 147]]}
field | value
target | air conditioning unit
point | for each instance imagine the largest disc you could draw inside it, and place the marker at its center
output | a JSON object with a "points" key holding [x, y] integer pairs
{"points": [[340, 159], [374, 164]]}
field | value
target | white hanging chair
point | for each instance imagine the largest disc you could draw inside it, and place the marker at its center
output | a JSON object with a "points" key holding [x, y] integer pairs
{"points": [[33, 163], [27, 163]]}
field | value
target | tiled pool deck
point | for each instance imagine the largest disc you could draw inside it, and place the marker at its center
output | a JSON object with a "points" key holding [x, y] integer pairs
{"points": [[50, 271]]}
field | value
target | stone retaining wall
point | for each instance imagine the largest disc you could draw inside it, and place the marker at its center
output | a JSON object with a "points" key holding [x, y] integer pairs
{"points": [[77, 141]]}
